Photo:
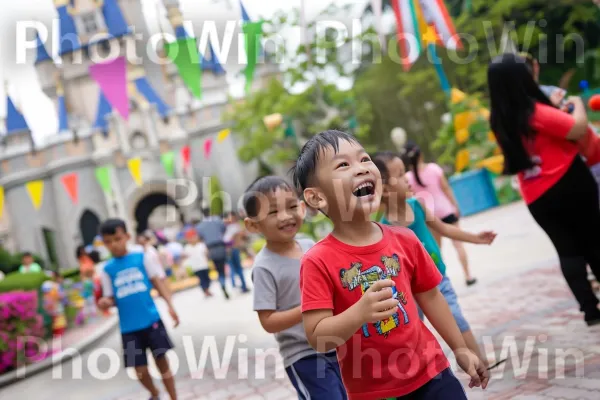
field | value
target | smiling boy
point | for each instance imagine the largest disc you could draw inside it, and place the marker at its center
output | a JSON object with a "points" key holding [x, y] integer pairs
{"points": [[361, 285]]}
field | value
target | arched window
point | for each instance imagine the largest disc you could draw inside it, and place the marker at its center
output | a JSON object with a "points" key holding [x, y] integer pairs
{"points": [[88, 227]]}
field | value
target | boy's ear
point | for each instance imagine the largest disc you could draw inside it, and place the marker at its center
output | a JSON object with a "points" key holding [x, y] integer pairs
{"points": [[315, 199], [251, 225]]}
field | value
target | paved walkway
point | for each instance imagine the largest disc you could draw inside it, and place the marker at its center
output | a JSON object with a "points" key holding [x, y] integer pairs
{"points": [[520, 309]]}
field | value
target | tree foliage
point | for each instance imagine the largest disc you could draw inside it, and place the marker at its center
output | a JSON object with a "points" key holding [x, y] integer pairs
{"points": [[318, 106]]}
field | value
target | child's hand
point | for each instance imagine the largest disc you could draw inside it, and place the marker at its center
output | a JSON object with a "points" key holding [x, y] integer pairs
{"points": [[377, 303], [104, 303], [174, 317], [486, 237], [474, 367]]}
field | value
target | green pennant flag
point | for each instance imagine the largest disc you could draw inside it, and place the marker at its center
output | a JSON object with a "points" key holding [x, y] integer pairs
{"points": [[168, 162], [252, 34], [184, 54], [103, 177], [289, 131]]}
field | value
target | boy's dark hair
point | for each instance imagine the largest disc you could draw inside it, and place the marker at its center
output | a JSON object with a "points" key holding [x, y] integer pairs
{"points": [[26, 254], [304, 168], [110, 226], [262, 186], [380, 159]]}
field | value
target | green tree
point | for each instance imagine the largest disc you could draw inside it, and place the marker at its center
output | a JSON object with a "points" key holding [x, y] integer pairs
{"points": [[320, 106]]}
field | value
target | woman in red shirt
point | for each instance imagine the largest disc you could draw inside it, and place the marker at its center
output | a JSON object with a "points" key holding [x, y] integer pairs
{"points": [[539, 145]]}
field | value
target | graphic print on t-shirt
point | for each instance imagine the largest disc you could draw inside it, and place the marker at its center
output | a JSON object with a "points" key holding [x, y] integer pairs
{"points": [[355, 277], [128, 282]]}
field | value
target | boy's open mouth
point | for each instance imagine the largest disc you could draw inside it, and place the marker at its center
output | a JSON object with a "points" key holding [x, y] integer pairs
{"points": [[366, 188]]}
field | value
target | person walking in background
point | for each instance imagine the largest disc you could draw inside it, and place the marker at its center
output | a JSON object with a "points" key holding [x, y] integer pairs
{"points": [[539, 143], [212, 230], [428, 179], [195, 255]]}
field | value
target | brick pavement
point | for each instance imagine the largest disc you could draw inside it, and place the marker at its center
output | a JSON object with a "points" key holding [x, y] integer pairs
{"points": [[531, 319]]}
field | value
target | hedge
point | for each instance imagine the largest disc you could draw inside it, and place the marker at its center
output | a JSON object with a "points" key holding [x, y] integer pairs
{"points": [[10, 263], [18, 281]]}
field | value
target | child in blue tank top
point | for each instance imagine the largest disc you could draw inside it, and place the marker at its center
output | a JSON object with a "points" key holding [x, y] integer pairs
{"points": [[401, 210], [127, 279]]}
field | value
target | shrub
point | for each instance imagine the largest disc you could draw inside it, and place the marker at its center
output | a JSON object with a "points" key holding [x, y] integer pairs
{"points": [[18, 281], [6, 262], [19, 319], [216, 197]]}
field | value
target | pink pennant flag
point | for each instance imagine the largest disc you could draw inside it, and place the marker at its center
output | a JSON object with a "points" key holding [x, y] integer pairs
{"points": [[207, 147], [111, 76]]}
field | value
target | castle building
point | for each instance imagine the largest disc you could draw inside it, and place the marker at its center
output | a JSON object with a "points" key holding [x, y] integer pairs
{"points": [[163, 118]]}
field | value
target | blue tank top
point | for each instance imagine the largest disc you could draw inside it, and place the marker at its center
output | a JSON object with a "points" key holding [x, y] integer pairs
{"points": [[420, 228], [131, 291]]}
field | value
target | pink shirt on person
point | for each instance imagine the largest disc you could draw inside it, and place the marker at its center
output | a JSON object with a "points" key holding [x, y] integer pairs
{"points": [[435, 199]]}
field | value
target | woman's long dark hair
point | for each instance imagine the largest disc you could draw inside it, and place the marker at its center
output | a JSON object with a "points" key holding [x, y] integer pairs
{"points": [[411, 157], [513, 94]]}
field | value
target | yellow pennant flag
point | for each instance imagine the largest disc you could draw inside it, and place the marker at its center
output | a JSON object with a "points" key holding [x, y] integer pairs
{"points": [[36, 192], [1, 201], [223, 135], [135, 169]]}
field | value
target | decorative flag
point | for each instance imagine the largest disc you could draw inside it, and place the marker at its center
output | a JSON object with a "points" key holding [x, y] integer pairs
{"points": [[430, 39], [207, 148], [412, 20], [70, 182], [135, 169], [410, 26], [223, 135], [436, 15], [252, 35], [111, 76], [168, 161], [1, 201], [186, 156], [184, 54], [36, 192], [376, 6], [103, 178]]}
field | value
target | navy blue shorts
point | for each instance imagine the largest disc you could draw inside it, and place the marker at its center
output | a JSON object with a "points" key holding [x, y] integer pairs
{"points": [[445, 386], [153, 338], [317, 377]]}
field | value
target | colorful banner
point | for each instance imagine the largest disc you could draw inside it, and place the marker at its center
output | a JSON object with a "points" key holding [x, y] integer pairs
{"points": [[103, 178], [70, 182], [111, 76], [168, 162], [224, 134], [184, 54], [1, 201], [135, 169], [207, 148], [252, 35], [36, 193]]}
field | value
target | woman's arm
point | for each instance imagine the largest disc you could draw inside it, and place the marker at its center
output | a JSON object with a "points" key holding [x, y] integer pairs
{"points": [[580, 127]]}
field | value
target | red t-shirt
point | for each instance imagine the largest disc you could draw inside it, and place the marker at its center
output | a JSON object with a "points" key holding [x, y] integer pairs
{"points": [[554, 151], [388, 359]]}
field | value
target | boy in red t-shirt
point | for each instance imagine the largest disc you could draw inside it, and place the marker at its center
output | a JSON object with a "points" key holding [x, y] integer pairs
{"points": [[361, 285]]}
